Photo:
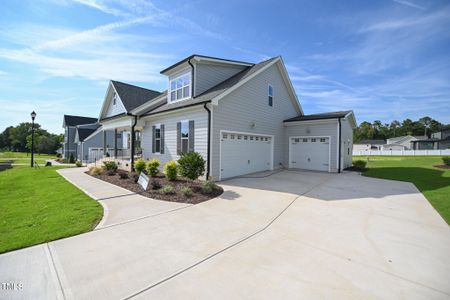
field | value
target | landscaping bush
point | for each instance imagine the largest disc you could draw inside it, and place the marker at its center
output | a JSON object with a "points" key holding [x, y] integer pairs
{"points": [[110, 165], [58, 155], [152, 167], [71, 158], [123, 174], [191, 165], [107, 154], [446, 160], [167, 189], [110, 172], [139, 165], [78, 163], [171, 170], [95, 171], [359, 164], [187, 191], [208, 187], [135, 177], [155, 184]]}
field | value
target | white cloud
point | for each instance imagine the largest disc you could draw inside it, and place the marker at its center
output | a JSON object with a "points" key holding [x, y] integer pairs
{"points": [[409, 4]]}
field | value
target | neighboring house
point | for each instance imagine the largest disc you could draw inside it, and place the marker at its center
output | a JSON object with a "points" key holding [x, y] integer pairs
{"points": [[366, 145], [438, 141], [401, 142], [241, 117], [69, 124]]}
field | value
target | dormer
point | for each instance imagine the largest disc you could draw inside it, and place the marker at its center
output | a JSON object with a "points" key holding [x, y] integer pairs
{"points": [[196, 74]]}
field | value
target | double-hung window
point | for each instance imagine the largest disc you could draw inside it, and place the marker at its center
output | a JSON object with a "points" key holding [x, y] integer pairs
{"points": [[180, 87], [158, 138], [270, 95], [184, 136]]}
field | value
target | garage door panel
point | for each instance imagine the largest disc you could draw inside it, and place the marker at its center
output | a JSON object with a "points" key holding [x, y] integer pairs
{"points": [[309, 153]]}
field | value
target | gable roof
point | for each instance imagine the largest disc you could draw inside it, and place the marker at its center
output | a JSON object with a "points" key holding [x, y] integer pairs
{"points": [[133, 96], [321, 116], [83, 131], [70, 120], [218, 90]]}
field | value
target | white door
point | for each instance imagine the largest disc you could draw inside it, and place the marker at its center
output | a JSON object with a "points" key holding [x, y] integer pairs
{"points": [[244, 153], [309, 153]]}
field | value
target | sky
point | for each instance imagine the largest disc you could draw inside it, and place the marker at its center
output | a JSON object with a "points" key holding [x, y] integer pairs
{"points": [[386, 59]]}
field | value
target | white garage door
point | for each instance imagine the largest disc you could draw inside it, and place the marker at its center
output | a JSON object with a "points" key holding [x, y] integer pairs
{"points": [[244, 154], [309, 153]]}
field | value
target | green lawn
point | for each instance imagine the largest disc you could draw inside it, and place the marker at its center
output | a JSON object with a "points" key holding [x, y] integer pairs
{"points": [[10, 154], [433, 182], [38, 205]]}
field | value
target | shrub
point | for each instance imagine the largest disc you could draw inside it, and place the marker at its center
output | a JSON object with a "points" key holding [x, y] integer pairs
{"points": [[139, 165], [107, 154], [135, 177], [446, 160], [58, 155], [152, 167], [123, 174], [191, 165], [78, 163], [359, 164], [171, 170], [208, 187], [167, 189], [155, 184], [71, 158], [95, 171], [110, 165], [187, 191], [110, 172]]}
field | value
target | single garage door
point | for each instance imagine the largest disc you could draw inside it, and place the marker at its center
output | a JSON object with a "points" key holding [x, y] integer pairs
{"points": [[309, 153], [244, 153]]}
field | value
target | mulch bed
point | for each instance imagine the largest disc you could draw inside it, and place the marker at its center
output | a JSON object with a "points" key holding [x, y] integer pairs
{"points": [[442, 167], [177, 196]]}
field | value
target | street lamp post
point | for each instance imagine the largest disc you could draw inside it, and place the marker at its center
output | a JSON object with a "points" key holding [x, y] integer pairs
{"points": [[33, 116]]}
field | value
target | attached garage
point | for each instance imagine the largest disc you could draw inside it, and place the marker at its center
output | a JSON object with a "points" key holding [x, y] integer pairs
{"points": [[310, 153], [244, 153]]}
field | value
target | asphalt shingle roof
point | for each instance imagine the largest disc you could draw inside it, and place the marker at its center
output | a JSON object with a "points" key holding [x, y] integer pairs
{"points": [[371, 142], [78, 120], [321, 116], [86, 130], [133, 96]]}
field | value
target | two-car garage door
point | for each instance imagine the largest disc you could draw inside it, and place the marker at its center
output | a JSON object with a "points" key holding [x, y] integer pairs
{"points": [[244, 153], [309, 153]]}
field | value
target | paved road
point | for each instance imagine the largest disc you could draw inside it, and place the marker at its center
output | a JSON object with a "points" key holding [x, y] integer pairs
{"points": [[289, 235]]}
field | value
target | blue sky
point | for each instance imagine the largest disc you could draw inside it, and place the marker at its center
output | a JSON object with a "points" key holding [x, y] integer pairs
{"points": [[384, 59]]}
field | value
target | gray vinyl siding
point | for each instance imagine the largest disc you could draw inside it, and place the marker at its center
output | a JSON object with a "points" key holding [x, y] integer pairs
{"points": [[96, 141], [69, 146], [209, 75], [249, 104], [200, 118], [347, 143], [320, 129]]}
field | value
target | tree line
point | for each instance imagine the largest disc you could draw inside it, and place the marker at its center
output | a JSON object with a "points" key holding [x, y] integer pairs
{"points": [[378, 131], [18, 138]]}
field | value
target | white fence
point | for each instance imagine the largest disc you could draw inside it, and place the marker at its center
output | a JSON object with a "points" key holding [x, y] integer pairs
{"points": [[401, 152]]}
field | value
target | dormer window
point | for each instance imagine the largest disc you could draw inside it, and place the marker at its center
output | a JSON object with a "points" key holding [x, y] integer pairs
{"points": [[180, 87]]}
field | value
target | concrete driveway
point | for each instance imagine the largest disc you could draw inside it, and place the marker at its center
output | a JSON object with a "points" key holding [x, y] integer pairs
{"points": [[288, 235]]}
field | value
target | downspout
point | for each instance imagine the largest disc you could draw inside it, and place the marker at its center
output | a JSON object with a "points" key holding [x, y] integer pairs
{"points": [[340, 139], [192, 78], [133, 137], [209, 141]]}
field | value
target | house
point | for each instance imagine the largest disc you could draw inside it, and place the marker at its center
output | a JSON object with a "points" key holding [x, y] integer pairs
{"points": [[401, 142], [438, 141], [69, 124], [366, 145], [240, 116]]}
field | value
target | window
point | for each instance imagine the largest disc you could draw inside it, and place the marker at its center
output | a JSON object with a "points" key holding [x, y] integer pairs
{"points": [[239, 137], [270, 94], [305, 140], [245, 137], [251, 138], [158, 138], [184, 136], [313, 140], [322, 140], [224, 135], [232, 136], [296, 140], [180, 87], [257, 138]]}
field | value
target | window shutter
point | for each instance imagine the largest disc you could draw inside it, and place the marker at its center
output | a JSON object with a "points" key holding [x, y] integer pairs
{"points": [[191, 136], [179, 138], [153, 138], [162, 140]]}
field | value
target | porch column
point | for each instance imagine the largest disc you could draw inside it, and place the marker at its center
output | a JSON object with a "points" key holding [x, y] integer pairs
{"points": [[115, 142], [104, 143]]}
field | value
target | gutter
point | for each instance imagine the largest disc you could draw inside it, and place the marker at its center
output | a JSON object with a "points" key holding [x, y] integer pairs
{"points": [[133, 138], [209, 141], [175, 108], [192, 78], [340, 142]]}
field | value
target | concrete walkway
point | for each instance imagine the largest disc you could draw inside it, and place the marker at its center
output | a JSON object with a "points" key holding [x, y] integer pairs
{"points": [[289, 235]]}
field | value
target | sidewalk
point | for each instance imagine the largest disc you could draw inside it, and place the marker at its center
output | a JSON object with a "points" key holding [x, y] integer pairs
{"points": [[119, 204]]}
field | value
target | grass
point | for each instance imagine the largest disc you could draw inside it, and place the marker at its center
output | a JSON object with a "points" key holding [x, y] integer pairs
{"points": [[38, 205], [10, 154], [433, 182]]}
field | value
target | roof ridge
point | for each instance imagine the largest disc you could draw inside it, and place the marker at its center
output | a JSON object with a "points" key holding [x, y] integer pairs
{"points": [[135, 86]]}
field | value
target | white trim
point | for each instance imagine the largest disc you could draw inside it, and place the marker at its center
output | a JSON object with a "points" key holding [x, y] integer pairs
{"points": [[244, 133], [220, 61], [105, 100], [154, 138], [184, 138], [269, 86], [211, 135], [178, 110], [311, 136], [306, 122], [338, 141]]}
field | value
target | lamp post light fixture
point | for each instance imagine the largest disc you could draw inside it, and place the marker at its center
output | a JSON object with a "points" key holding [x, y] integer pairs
{"points": [[33, 116]]}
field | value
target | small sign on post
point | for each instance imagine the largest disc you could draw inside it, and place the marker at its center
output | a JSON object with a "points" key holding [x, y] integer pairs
{"points": [[143, 181]]}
